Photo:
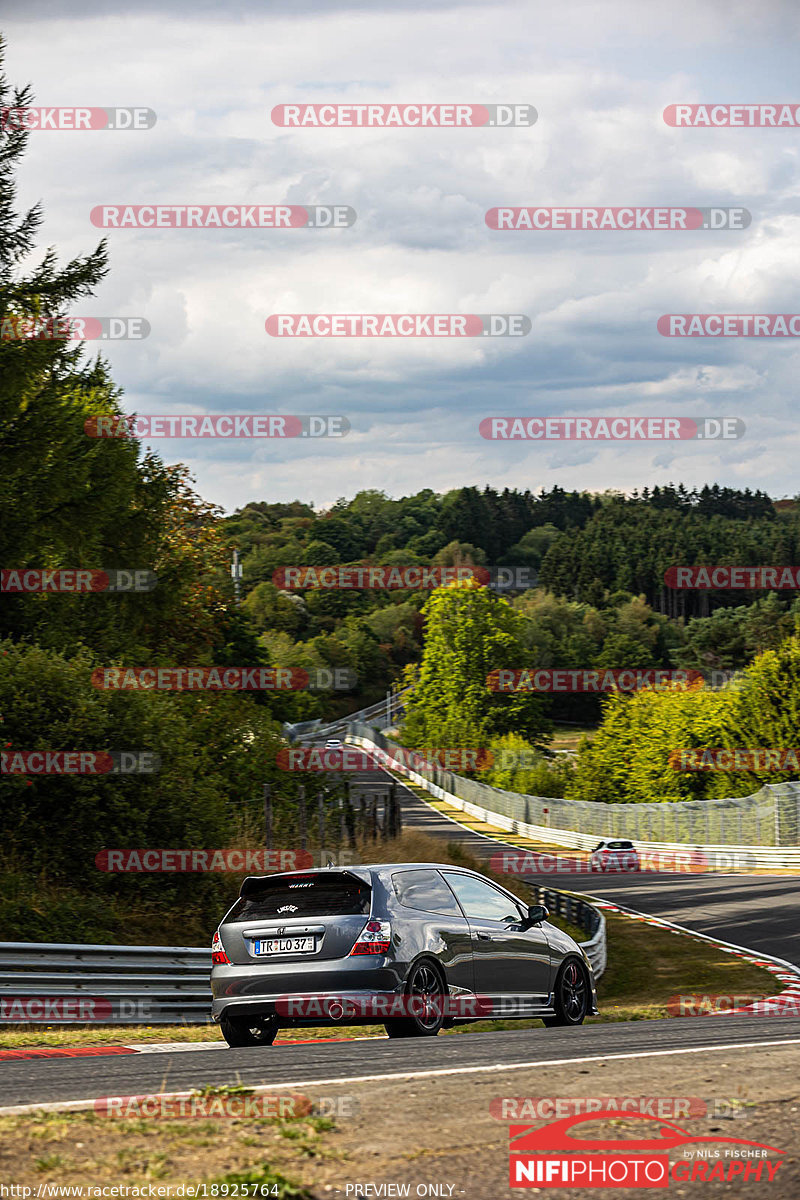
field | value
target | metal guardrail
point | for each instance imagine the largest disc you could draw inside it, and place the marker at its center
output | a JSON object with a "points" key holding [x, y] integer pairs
{"points": [[771, 817], [48, 983], [378, 715], [301, 728], [583, 914]]}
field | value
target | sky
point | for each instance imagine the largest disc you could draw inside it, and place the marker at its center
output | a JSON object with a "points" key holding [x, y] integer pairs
{"points": [[599, 75]]}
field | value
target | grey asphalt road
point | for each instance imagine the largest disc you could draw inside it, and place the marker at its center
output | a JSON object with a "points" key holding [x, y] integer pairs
{"points": [[761, 912], [758, 912], [45, 1080]]}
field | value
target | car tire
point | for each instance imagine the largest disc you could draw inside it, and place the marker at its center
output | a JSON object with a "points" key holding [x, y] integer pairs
{"points": [[572, 995], [424, 981], [248, 1031]]}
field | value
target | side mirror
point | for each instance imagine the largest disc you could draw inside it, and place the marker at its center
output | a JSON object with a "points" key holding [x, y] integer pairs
{"points": [[537, 913]]}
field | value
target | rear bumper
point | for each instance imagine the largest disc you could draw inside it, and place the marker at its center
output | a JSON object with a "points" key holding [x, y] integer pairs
{"points": [[244, 990]]}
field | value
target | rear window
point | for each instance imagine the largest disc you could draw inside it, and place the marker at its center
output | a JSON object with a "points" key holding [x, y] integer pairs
{"points": [[425, 890], [324, 895], [620, 845]]}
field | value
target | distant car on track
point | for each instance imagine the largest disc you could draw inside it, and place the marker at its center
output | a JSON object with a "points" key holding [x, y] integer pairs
{"points": [[615, 855], [412, 946], [334, 744]]}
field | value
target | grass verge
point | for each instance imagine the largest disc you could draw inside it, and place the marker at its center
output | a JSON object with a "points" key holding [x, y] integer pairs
{"points": [[76, 1148]]}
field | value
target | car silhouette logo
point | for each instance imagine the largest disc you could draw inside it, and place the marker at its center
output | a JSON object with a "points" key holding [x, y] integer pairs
{"points": [[555, 1136]]}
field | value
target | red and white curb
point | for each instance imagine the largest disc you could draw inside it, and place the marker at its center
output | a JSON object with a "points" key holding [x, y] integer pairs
{"points": [[17, 1052], [786, 1003], [28, 1052]]}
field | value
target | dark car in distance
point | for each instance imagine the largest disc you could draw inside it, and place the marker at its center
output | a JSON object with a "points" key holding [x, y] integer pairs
{"points": [[413, 946]]}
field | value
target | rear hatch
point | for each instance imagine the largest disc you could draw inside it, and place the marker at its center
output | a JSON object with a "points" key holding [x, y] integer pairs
{"points": [[309, 916]]}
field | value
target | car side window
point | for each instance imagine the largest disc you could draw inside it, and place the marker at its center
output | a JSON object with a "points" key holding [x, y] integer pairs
{"points": [[425, 890], [481, 901]]}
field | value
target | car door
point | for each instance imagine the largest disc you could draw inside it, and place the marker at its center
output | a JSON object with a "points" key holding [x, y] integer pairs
{"points": [[444, 929], [509, 959]]}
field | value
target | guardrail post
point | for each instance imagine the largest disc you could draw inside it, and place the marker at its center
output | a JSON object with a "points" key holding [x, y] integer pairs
{"points": [[394, 807]]}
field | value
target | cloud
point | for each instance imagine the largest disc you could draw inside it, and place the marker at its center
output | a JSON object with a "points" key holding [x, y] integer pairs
{"points": [[599, 75]]}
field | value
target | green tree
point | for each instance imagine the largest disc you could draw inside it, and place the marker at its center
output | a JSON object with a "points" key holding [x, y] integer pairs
{"points": [[469, 632]]}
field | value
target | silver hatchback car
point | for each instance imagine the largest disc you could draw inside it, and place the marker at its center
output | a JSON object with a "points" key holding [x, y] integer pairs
{"points": [[413, 946]]}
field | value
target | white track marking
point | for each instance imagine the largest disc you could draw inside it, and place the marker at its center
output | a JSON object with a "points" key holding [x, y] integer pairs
{"points": [[266, 1089], [172, 1047]]}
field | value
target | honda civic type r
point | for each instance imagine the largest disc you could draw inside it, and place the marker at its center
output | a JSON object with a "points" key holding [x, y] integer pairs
{"points": [[413, 946]]}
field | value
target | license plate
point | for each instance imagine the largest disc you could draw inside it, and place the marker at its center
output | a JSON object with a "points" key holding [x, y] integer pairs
{"points": [[288, 945]]}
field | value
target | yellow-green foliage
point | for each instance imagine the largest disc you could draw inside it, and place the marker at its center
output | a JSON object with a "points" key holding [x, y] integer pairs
{"points": [[629, 758], [520, 767]]}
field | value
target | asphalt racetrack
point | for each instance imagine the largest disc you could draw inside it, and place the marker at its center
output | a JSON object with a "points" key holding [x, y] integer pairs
{"points": [[759, 912], [335, 1063]]}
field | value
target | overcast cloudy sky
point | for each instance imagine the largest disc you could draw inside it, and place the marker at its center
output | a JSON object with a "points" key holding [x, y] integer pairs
{"points": [[599, 74]]}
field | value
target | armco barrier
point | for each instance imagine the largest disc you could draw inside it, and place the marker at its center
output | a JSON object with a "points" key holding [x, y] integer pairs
{"points": [[47, 983], [377, 716], [588, 918], [579, 824], [117, 985]]}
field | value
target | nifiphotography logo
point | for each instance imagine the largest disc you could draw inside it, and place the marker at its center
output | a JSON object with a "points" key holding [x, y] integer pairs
{"points": [[550, 1156]]}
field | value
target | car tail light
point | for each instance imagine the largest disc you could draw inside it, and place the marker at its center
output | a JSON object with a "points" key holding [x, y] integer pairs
{"points": [[374, 938], [218, 955]]}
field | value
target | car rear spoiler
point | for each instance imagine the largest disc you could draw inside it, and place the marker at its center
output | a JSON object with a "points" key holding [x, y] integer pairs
{"points": [[250, 884]]}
